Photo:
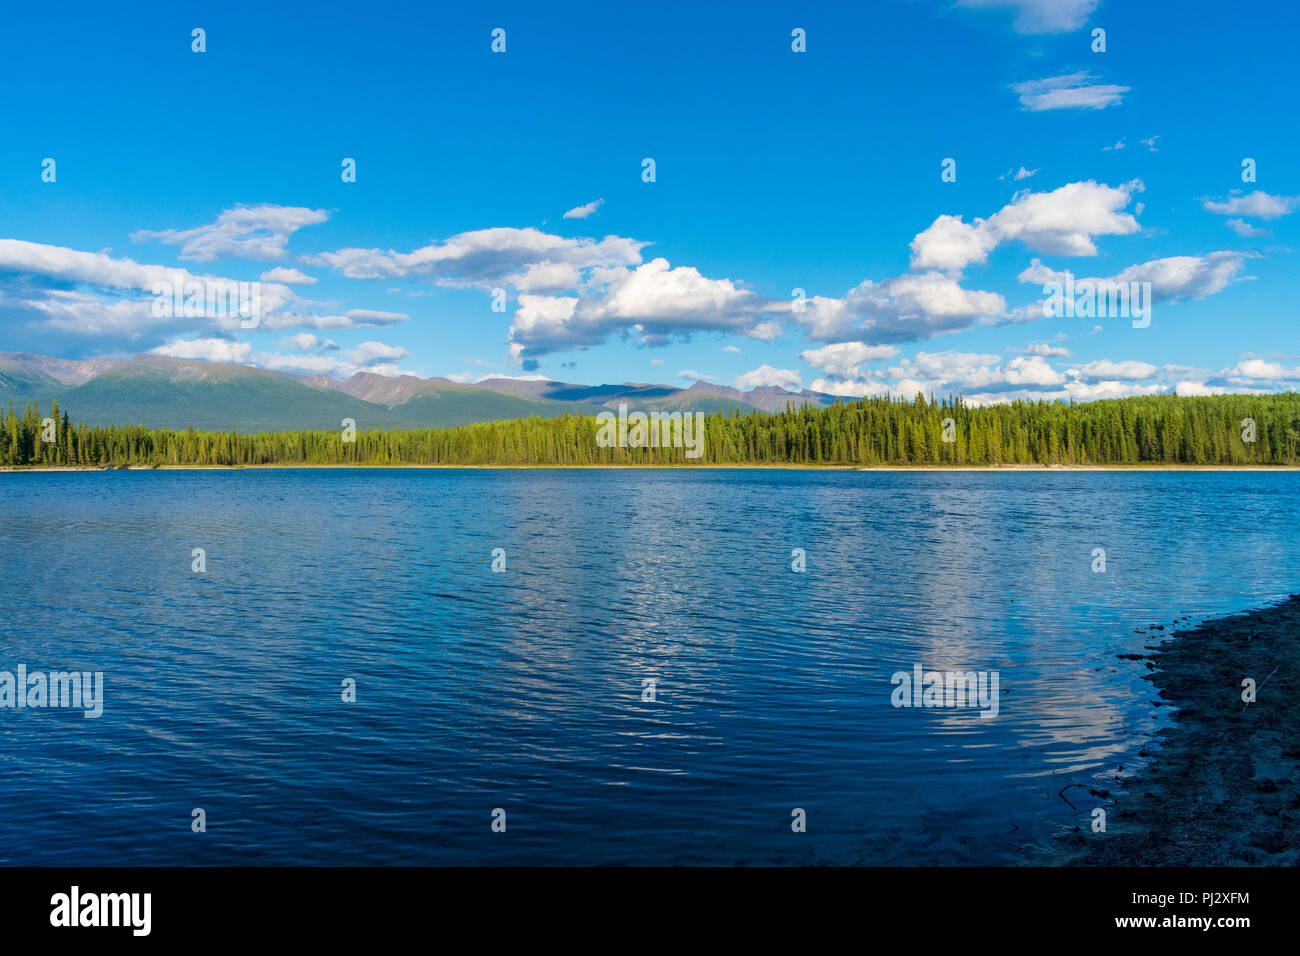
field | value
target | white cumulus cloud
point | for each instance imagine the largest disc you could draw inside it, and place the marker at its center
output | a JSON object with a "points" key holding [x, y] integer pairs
{"points": [[1060, 222], [767, 375]]}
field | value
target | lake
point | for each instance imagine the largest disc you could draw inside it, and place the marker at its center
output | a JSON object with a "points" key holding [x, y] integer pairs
{"points": [[526, 689]]}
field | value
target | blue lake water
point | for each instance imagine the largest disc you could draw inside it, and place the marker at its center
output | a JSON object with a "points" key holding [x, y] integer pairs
{"points": [[523, 690]]}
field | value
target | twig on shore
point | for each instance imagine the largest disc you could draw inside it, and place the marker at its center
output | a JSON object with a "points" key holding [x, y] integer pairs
{"points": [[1061, 793], [1261, 685]]}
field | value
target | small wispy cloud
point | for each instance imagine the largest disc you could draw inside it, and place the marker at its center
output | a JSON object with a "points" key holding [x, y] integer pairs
{"points": [[1042, 16], [306, 342], [288, 276], [244, 232], [582, 212], [1069, 91], [1243, 228], [1047, 350], [1259, 205]]}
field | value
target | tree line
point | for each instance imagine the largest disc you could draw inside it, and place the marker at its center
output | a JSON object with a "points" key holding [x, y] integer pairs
{"points": [[1163, 429]]}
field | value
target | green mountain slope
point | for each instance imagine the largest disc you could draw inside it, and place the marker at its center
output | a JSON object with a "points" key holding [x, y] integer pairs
{"points": [[21, 386], [450, 405], [157, 391], [251, 401]]}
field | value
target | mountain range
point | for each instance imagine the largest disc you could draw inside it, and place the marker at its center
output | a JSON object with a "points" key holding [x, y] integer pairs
{"points": [[158, 391]]}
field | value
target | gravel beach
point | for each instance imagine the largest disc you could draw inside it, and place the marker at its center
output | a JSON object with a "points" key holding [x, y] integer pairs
{"points": [[1222, 787]]}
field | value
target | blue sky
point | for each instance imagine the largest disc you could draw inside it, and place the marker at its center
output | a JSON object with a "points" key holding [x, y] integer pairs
{"points": [[775, 170]]}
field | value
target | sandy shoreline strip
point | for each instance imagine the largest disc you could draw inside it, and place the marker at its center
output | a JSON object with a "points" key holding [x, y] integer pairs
{"points": [[1223, 784]]}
